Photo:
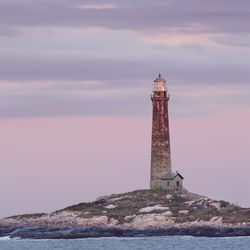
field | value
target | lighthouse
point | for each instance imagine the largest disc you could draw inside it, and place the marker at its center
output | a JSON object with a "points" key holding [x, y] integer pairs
{"points": [[161, 170]]}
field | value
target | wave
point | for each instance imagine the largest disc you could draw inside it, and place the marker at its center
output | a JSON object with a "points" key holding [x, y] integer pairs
{"points": [[5, 238]]}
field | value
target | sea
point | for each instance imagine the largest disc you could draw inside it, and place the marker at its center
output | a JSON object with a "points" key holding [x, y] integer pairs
{"points": [[113, 243]]}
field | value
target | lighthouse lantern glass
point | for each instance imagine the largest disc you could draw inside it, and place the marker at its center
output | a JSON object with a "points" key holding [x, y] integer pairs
{"points": [[160, 85]]}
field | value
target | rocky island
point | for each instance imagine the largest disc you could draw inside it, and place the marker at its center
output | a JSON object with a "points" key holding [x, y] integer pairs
{"points": [[167, 208], [134, 214]]}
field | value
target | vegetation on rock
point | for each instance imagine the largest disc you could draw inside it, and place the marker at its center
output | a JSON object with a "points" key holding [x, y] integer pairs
{"points": [[147, 212]]}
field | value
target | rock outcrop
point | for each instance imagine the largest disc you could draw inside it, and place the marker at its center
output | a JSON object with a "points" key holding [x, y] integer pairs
{"points": [[142, 212]]}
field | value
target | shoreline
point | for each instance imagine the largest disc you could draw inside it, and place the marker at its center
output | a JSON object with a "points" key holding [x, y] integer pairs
{"points": [[99, 232]]}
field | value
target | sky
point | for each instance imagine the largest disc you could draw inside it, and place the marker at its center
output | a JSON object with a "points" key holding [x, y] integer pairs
{"points": [[75, 110]]}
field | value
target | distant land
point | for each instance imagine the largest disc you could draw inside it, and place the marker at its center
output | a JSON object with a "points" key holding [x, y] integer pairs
{"points": [[134, 214]]}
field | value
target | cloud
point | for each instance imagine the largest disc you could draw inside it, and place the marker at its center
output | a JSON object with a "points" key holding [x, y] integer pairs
{"points": [[239, 41], [90, 98], [84, 58], [116, 72], [97, 6], [186, 16], [196, 100], [176, 39], [120, 58]]}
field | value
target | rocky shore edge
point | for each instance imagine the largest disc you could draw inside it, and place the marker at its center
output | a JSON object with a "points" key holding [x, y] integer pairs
{"points": [[95, 232]]}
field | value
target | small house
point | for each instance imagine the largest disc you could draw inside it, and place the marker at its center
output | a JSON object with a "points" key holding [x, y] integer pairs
{"points": [[172, 182]]}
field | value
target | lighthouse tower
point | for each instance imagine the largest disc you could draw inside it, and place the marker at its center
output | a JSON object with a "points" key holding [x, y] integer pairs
{"points": [[160, 147]]}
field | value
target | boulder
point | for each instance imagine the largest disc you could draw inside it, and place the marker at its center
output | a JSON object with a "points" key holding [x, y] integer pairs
{"points": [[152, 208]]}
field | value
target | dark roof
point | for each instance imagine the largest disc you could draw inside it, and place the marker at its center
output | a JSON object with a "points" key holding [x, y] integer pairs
{"points": [[171, 176], [159, 79]]}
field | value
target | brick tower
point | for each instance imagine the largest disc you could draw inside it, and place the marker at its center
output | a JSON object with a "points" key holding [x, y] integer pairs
{"points": [[160, 148]]}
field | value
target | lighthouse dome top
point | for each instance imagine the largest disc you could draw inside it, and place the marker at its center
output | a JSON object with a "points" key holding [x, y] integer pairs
{"points": [[160, 84]]}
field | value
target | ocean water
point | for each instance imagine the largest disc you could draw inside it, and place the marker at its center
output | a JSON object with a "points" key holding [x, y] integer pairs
{"points": [[151, 243]]}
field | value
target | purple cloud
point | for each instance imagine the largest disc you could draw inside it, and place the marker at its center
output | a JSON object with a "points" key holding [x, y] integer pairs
{"points": [[186, 16], [44, 42]]}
